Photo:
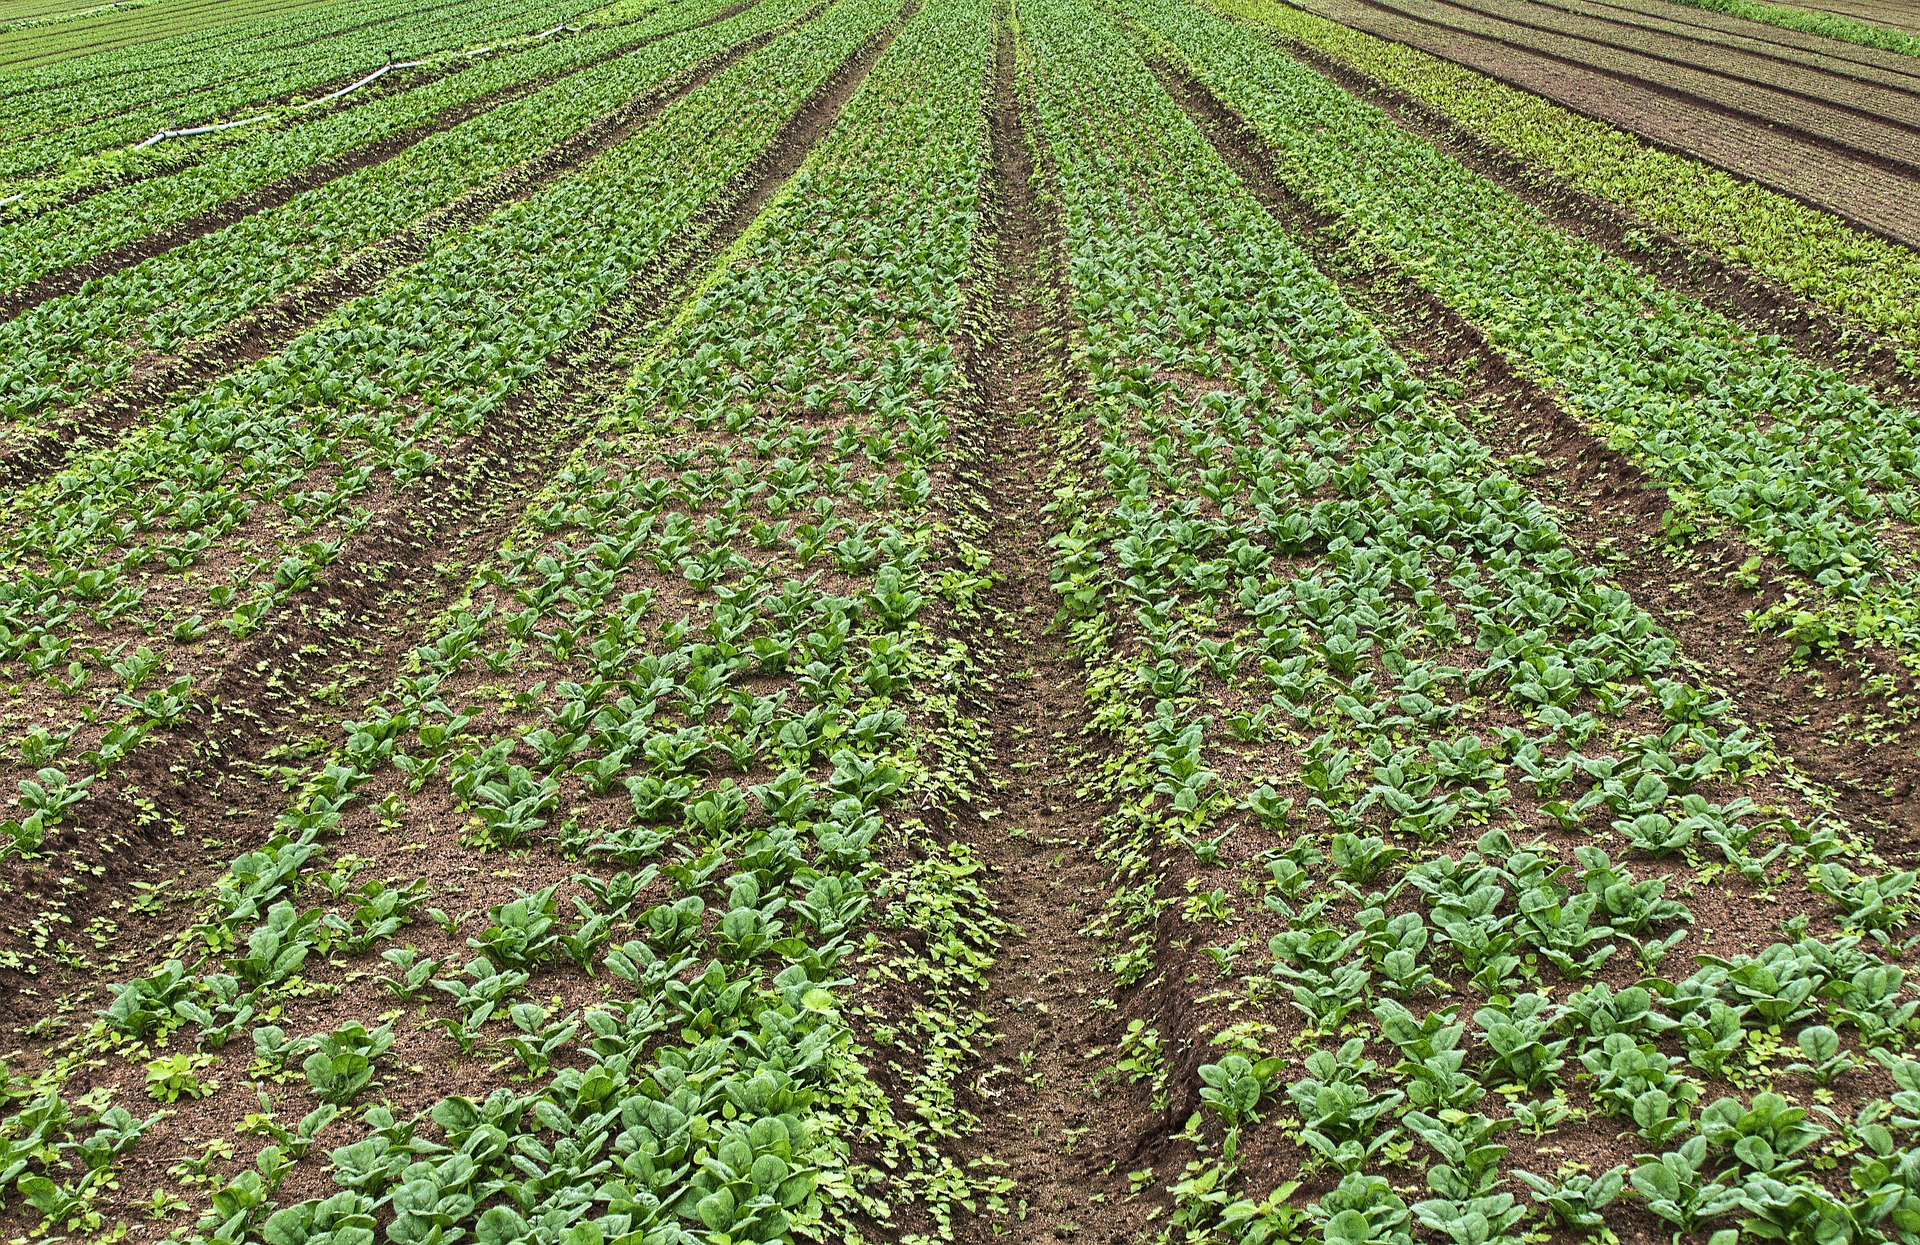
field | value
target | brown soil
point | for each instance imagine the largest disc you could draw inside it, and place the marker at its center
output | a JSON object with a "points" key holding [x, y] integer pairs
{"points": [[1743, 296], [1877, 196], [273, 195], [1868, 64], [1061, 1133], [156, 379], [1804, 75], [367, 616], [1612, 512], [1893, 14]]}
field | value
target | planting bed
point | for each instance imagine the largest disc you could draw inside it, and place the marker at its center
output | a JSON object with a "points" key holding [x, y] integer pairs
{"points": [[859, 620]]}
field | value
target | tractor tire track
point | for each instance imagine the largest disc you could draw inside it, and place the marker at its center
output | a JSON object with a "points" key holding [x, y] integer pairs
{"points": [[1057, 1138]]}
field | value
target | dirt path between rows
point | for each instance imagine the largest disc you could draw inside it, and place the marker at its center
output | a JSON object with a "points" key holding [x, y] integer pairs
{"points": [[1064, 1140]]}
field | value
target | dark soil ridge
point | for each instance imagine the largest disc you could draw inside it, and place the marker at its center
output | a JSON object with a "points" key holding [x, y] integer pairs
{"points": [[1059, 1142], [1898, 64], [1704, 65], [275, 194], [1890, 227], [1860, 152], [182, 776], [1603, 498], [266, 331], [1750, 300]]}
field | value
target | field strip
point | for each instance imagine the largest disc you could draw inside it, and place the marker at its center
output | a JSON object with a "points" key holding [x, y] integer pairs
{"points": [[110, 117], [1236, 392], [1610, 509], [788, 1056], [1741, 294], [1861, 192], [69, 280], [1894, 15], [42, 444], [1700, 17], [39, 245], [1886, 142], [1882, 97], [1731, 224], [1709, 444], [99, 80], [243, 685], [1866, 64]]}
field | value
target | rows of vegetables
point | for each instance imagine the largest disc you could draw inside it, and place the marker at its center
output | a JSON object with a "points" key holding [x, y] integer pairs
{"points": [[1804, 464], [719, 668], [90, 202], [1855, 276], [306, 460], [1446, 901], [121, 104], [79, 345]]}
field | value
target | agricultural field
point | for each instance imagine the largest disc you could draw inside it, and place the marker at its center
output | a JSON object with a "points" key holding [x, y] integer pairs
{"points": [[1207, 622]]}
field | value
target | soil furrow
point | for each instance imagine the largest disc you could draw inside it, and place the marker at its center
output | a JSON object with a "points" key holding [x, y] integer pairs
{"points": [[208, 772], [1743, 296], [68, 280], [1060, 1136], [1882, 141], [159, 378], [1612, 512], [1864, 192]]}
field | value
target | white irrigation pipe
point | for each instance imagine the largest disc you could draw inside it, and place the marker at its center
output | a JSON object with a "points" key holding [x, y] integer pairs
{"points": [[371, 78]]}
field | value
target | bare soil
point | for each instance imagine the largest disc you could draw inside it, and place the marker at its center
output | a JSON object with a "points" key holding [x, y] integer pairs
{"points": [[1065, 1134], [1878, 196]]}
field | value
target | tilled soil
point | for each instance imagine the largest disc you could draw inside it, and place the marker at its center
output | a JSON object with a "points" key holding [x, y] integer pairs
{"points": [[1852, 60], [1879, 196], [1064, 1137]]}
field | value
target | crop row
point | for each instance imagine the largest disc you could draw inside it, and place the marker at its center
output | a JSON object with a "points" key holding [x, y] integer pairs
{"points": [[65, 234], [297, 462], [1809, 466], [714, 662], [67, 348], [37, 46], [1828, 80], [1371, 714], [101, 120], [1860, 278], [250, 53]]}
